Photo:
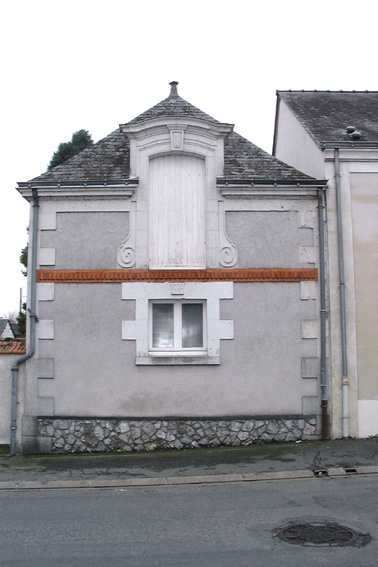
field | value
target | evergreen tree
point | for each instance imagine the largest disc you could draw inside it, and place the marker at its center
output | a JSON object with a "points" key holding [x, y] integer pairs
{"points": [[80, 141], [24, 260]]}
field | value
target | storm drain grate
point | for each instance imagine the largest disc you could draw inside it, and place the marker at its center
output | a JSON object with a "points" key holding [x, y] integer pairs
{"points": [[320, 533]]}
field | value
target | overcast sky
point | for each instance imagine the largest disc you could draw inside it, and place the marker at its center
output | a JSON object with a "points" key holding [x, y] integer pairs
{"points": [[93, 64]]}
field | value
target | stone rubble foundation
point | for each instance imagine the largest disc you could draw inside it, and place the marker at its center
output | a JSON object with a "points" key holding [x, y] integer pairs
{"points": [[76, 435]]}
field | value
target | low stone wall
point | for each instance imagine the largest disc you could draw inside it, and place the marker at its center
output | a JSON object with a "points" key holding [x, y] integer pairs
{"points": [[76, 435]]}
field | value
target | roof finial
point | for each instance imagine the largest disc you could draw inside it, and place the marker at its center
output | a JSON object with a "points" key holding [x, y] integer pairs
{"points": [[173, 93]]}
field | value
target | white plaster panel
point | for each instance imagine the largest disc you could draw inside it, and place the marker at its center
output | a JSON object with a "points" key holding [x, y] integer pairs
{"points": [[367, 418], [309, 329], [45, 291], [46, 256], [307, 255], [308, 290], [45, 329]]}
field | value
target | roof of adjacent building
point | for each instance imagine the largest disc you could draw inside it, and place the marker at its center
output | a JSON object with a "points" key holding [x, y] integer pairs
{"points": [[3, 324], [109, 159], [327, 114], [12, 347]]}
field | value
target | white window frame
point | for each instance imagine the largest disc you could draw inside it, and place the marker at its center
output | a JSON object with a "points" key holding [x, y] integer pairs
{"points": [[216, 329], [178, 349]]}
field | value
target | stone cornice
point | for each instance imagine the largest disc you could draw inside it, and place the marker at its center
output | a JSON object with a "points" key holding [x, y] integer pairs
{"points": [[80, 190], [250, 191]]}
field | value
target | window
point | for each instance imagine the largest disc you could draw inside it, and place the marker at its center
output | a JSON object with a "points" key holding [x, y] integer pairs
{"points": [[177, 328], [177, 324]]}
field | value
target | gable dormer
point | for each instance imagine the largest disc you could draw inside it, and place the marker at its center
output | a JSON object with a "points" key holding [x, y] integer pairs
{"points": [[177, 153]]}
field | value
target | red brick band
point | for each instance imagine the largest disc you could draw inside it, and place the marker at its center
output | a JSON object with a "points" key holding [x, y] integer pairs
{"points": [[235, 275]]}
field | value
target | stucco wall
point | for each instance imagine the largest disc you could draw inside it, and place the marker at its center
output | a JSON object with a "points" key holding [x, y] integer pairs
{"points": [[268, 239], [364, 199], [365, 250], [95, 372], [86, 239]]}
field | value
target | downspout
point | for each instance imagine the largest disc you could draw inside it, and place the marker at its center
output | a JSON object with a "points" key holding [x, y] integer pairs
{"points": [[345, 380], [32, 319], [323, 314]]}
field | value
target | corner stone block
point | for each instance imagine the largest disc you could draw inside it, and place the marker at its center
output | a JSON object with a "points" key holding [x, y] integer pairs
{"points": [[307, 255], [308, 290], [45, 406], [45, 291], [310, 367], [43, 367], [309, 329], [45, 329], [29, 425], [47, 220], [46, 256], [307, 219]]}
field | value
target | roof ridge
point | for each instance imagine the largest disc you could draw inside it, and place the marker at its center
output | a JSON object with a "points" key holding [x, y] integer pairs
{"points": [[171, 106]]}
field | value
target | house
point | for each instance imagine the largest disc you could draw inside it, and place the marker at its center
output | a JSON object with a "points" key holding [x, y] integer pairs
{"points": [[175, 288], [7, 329], [334, 135]]}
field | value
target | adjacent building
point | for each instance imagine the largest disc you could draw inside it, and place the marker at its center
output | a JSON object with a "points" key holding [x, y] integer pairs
{"points": [[334, 135]]}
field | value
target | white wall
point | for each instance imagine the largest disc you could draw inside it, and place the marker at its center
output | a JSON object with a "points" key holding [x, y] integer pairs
{"points": [[295, 146], [6, 363]]}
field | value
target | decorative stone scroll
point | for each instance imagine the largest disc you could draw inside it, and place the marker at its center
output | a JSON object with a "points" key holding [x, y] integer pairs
{"points": [[228, 253], [126, 252]]}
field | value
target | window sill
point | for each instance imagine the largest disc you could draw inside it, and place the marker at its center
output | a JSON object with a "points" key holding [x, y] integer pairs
{"points": [[176, 360]]}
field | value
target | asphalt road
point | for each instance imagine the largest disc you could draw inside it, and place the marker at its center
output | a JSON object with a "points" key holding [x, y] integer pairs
{"points": [[221, 525]]}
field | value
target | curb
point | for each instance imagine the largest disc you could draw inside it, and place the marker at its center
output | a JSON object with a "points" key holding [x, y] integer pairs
{"points": [[182, 480]]}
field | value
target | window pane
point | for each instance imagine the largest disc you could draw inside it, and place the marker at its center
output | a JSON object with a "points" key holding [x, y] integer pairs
{"points": [[192, 325], [162, 325]]}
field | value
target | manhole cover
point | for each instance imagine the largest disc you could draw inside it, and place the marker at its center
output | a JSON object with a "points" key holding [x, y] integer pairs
{"points": [[320, 533]]}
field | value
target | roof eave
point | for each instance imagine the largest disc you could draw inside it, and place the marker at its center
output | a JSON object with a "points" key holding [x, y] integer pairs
{"points": [[251, 182], [265, 188], [334, 144], [95, 189]]}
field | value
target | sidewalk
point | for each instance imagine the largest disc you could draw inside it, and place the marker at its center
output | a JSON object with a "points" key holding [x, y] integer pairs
{"points": [[198, 466]]}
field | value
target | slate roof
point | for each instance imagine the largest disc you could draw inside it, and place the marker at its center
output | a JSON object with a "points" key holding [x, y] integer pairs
{"points": [[13, 326], [15, 330], [245, 161], [173, 106], [3, 324], [109, 158], [326, 114]]}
